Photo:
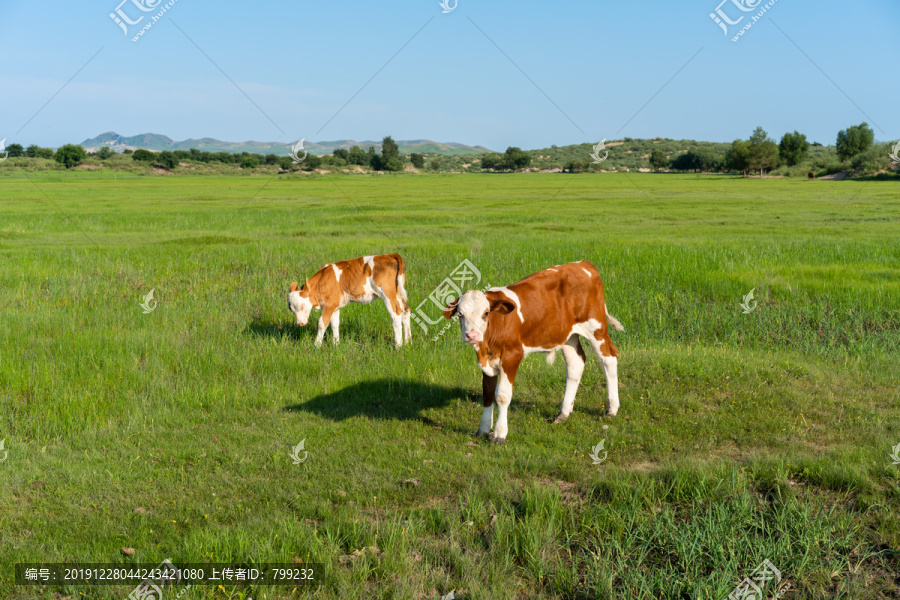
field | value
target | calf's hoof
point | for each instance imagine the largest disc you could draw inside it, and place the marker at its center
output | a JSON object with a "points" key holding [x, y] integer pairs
{"points": [[560, 418], [483, 434], [498, 441]]}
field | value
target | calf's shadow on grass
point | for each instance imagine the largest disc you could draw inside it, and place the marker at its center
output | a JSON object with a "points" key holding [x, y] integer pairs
{"points": [[281, 329], [386, 399]]}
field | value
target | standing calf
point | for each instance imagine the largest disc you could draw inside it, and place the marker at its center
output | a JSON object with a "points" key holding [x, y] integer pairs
{"points": [[544, 312], [336, 285]]}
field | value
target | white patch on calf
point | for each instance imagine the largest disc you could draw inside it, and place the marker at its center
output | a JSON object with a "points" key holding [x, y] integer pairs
{"points": [[586, 271], [471, 309], [300, 306], [370, 260], [337, 272]]}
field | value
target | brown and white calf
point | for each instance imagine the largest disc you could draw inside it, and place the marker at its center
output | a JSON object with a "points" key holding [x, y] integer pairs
{"points": [[337, 284], [544, 312]]}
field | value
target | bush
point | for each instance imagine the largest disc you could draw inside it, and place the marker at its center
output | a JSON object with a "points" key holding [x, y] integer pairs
{"points": [[37, 152], [872, 161], [249, 162], [393, 164], [166, 159], [143, 155], [70, 155], [417, 160]]}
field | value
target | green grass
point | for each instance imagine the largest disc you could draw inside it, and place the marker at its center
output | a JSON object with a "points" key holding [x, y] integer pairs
{"points": [[741, 437]]}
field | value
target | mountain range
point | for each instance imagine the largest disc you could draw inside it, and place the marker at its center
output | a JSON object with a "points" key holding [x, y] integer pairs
{"points": [[157, 142]]}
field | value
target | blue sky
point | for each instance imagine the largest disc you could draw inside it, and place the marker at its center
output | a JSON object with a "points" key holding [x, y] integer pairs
{"points": [[583, 71]]}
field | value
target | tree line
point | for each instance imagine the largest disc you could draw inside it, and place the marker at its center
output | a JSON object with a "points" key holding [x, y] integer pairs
{"points": [[390, 159], [759, 153]]}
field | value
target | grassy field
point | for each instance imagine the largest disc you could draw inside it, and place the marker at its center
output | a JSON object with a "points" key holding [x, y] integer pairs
{"points": [[741, 437]]}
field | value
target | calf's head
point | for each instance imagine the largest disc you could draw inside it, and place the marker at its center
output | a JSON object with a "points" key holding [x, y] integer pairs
{"points": [[299, 303], [474, 309]]}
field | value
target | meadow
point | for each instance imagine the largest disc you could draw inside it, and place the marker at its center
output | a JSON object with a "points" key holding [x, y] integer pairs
{"points": [[741, 437]]}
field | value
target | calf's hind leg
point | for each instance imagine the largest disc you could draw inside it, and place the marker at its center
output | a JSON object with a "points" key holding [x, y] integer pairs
{"points": [[575, 358], [608, 355]]}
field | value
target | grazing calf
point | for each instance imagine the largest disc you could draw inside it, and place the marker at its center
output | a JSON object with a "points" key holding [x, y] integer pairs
{"points": [[544, 312], [336, 285]]}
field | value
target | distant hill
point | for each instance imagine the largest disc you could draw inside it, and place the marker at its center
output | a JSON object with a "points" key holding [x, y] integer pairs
{"points": [[157, 142]]}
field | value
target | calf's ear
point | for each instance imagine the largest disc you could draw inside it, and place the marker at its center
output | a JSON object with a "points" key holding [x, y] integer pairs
{"points": [[502, 306], [451, 308], [294, 287]]}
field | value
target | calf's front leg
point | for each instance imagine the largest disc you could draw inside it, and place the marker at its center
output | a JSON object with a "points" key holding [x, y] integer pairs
{"points": [[504, 397], [488, 390], [324, 319]]}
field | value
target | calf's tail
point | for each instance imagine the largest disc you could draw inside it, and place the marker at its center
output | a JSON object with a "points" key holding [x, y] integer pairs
{"points": [[613, 321], [401, 280]]}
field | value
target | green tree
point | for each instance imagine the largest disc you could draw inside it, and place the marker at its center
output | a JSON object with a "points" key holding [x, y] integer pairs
{"points": [[143, 155], [286, 163], [105, 153], [393, 164], [854, 140], [737, 158], [658, 159], [376, 162], [70, 155], [763, 151], [435, 164], [684, 162], [417, 160], [515, 158], [491, 161], [34, 151], [167, 160], [389, 149], [358, 156], [793, 148], [249, 162], [15, 150], [312, 161], [342, 154]]}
